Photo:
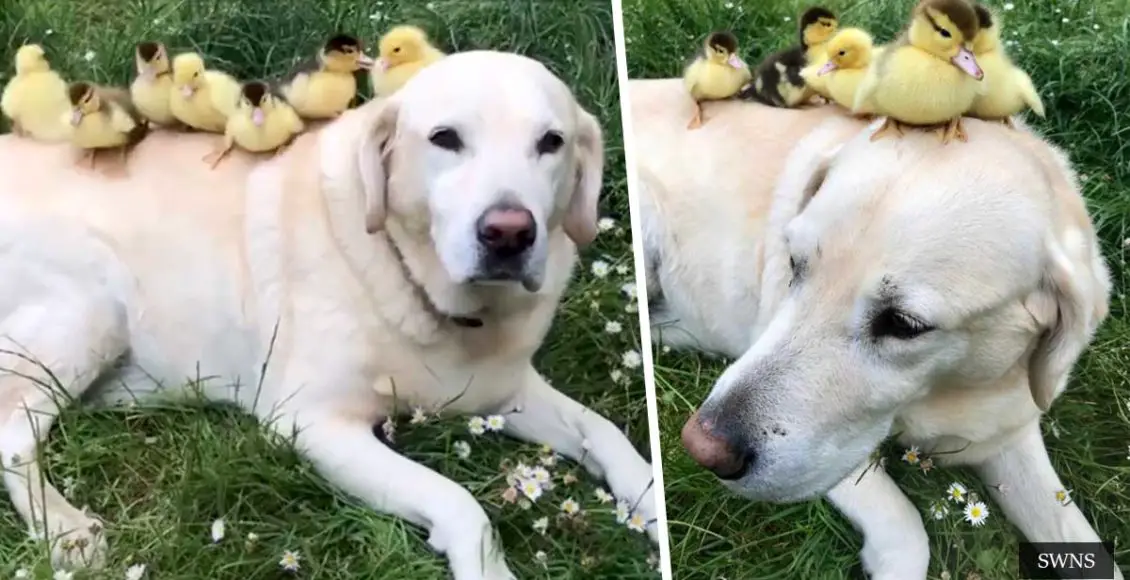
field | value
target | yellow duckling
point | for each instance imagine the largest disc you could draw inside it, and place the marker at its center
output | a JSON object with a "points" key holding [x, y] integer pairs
{"points": [[716, 73], [261, 122], [36, 97], [817, 26], [325, 87], [928, 77], [201, 98], [103, 118], [849, 55], [151, 90], [1007, 88], [404, 50]]}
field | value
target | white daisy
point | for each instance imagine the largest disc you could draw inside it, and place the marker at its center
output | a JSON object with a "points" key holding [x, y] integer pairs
{"points": [[477, 425], [623, 269], [613, 327], [629, 289], [631, 359], [911, 455], [788, 19], [600, 268], [89, 56], [462, 449], [956, 492], [217, 530], [541, 475], [22, 573], [603, 496], [729, 5], [541, 525], [418, 416], [63, 575], [570, 506], [542, 558], [636, 523], [605, 224], [495, 423], [289, 561], [617, 375], [1009, 6], [976, 513], [938, 510], [1066, 20], [622, 512], [135, 572], [530, 489], [1063, 496], [548, 460], [389, 429]]}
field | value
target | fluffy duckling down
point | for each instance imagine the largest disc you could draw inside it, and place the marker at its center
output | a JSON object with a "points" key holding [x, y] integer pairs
{"points": [[1008, 90], [716, 73], [817, 26], [404, 51], [928, 77], [151, 90], [36, 97], [325, 87], [102, 118], [849, 56], [779, 80], [261, 122], [201, 98]]}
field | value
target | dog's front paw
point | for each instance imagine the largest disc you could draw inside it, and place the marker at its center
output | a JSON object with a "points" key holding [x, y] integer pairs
{"points": [[77, 541], [905, 558]]}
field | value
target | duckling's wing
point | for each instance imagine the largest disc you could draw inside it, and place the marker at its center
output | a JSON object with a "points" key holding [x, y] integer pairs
{"points": [[1028, 91], [873, 76], [225, 91]]}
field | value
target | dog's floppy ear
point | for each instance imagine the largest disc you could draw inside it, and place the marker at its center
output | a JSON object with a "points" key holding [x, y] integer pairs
{"points": [[1069, 305], [581, 215], [372, 164]]}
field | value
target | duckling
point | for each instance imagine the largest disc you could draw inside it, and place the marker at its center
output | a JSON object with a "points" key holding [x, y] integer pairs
{"points": [[716, 73], [849, 55], [201, 98], [36, 97], [778, 81], [325, 87], [151, 90], [103, 118], [1008, 89], [262, 122], [404, 50], [928, 77]]}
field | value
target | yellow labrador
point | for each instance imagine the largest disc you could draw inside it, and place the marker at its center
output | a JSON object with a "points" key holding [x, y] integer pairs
{"points": [[411, 253], [939, 292]]}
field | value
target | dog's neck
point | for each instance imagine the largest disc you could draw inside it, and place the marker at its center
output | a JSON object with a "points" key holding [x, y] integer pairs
{"points": [[440, 296]]}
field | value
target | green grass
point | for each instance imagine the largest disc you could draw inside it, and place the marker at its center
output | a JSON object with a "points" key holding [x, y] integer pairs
{"points": [[160, 477], [1082, 75]]}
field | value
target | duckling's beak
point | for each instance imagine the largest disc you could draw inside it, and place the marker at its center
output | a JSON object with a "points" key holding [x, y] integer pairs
{"points": [[76, 117], [364, 61], [258, 116], [965, 61], [382, 63], [735, 61], [827, 68], [186, 91]]}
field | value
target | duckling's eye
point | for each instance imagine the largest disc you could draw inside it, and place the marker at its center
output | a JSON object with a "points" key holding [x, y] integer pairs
{"points": [[397, 49], [945, 33], [843, 53], [446, 138], [550, 143]]}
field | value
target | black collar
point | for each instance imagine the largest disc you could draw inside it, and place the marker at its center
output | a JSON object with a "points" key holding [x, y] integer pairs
{"points": [[461, 321]]}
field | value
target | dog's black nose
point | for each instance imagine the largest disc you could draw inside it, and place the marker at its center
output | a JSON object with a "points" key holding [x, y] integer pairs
{"points": [[713, 450], [506, 231]]}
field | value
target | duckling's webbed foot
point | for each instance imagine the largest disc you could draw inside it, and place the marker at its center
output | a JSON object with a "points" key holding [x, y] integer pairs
{"points": [[889, 124], [1008, 122], [953, 129], [18, 129], [214, 158], [86, 158], [696, 120]]}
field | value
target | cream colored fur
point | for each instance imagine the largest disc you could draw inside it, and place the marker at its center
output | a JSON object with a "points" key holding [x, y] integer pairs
{"points": [[177, 272], [988, 241]]}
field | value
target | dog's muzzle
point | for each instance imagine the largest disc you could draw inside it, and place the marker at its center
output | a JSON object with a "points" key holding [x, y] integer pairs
{"points": [[506, 233]]}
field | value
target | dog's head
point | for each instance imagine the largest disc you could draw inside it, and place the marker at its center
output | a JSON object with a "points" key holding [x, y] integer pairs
{"points": [[924, 278], [486, 153]]}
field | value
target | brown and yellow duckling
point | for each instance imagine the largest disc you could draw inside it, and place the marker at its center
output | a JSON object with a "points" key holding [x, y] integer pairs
{"points": [[326, 86], [779, 81], [103, 118], [262, 122], [716, 73], [151, 90]]}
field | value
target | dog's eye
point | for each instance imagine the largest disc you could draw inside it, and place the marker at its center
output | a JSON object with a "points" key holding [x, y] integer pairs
{"points": [[899, 325], [550, 143], [446, 138]]}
